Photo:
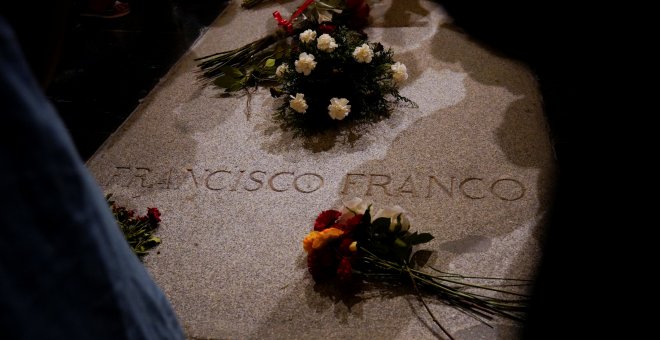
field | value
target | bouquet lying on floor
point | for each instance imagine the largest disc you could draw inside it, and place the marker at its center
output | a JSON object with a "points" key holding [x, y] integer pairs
{"points": [[351, 245], [137, 229], [320, 64]]}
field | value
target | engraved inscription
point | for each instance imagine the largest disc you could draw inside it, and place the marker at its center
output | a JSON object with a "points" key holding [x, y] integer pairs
{"points": [[230, 179], [308, 182], [433, 186], [216, 180]]}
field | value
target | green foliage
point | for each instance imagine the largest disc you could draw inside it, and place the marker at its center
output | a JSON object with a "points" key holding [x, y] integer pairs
{"points": [[248, 66], [369, 87], [393, 245], [138, 230]]}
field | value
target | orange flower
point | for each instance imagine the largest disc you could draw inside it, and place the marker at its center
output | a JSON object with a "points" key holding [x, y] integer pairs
{"points": [[316, 240], [309, 240]]}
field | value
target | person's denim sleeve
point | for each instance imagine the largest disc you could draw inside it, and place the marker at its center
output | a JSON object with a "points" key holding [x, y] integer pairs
{"points": [[66, 271]]}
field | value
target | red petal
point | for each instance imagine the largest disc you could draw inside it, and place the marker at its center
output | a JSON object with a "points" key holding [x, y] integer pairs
{"points": [[326, 219]]}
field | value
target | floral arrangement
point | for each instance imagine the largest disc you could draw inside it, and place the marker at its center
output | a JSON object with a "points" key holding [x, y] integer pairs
{"points": [[353, 244], [330, 77], [320, 64], [255, 63], [137, 229]]}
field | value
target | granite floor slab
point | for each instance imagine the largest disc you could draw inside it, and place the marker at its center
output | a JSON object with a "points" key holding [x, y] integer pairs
{"points": [[472, 164]]}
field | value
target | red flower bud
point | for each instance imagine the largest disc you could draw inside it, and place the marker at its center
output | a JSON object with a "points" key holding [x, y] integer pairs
{"points": [[325, 28], [154, 215]]}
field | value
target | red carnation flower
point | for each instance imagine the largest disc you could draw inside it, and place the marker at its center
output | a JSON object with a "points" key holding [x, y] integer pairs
{"points": [[154, 215], [345, 269], [351, 224], [326, 219], [322, 264]]}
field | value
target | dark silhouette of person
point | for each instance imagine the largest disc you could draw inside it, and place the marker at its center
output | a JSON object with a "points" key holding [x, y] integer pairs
{"points": [[66, 271]]}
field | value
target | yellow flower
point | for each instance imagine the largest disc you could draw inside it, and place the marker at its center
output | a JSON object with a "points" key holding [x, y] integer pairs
{"points": [[316, 240]]}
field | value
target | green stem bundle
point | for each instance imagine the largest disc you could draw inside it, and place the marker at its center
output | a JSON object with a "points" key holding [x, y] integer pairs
{"points": [[214, 65], [453, 289]]}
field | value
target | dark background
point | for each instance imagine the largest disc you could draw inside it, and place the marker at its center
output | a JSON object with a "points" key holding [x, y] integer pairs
{"points": [[571, 48], [95, 71]]}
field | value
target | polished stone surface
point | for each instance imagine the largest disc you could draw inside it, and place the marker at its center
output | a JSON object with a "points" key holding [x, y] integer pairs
{"points": [[473, 165]]}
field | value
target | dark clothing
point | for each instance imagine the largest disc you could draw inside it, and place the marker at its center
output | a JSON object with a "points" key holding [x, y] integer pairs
{"points": [[66, 271]]}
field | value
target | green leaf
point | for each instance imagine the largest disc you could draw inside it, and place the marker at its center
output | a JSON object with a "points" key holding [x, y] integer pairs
{"points": [[381, 225], [366, 217], [280, 51], [403, 253], [224, 81], [421, 257], [276, 92], [400, 243], [415, 238], [239, 84], [270, 62], [231, 71]]}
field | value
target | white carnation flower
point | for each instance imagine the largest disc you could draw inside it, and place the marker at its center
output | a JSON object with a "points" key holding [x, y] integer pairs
{"points": [[281, 70], [326, 43], [399, 72], [298, 103], [339, 108], [363, 54], [305, 63], [394, 214], [307, 36]]}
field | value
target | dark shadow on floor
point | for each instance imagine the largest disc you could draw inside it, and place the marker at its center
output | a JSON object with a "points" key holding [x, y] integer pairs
{"points": [[561, 42], [108, 65]]}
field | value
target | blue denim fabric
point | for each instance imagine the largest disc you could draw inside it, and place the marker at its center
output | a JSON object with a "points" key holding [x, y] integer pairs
{"points": [[66, 271]]}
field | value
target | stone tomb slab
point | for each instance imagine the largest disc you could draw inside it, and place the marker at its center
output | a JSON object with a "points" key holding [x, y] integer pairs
{"points": [[472, 165]]}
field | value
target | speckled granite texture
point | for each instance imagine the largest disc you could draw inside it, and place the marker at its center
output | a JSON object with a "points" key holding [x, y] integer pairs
{"points": [[473, 165]]}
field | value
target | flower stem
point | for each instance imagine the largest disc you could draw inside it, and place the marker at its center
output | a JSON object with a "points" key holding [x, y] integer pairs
{"points": [[419, 296], [452, 289]]}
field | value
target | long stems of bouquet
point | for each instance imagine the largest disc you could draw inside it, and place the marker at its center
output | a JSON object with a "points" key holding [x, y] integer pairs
{"points": [[214, 65], [452, 288]]}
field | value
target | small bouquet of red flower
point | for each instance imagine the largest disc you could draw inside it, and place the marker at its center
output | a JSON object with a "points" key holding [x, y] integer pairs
{"points": [[351, 244], [137, 229]]}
